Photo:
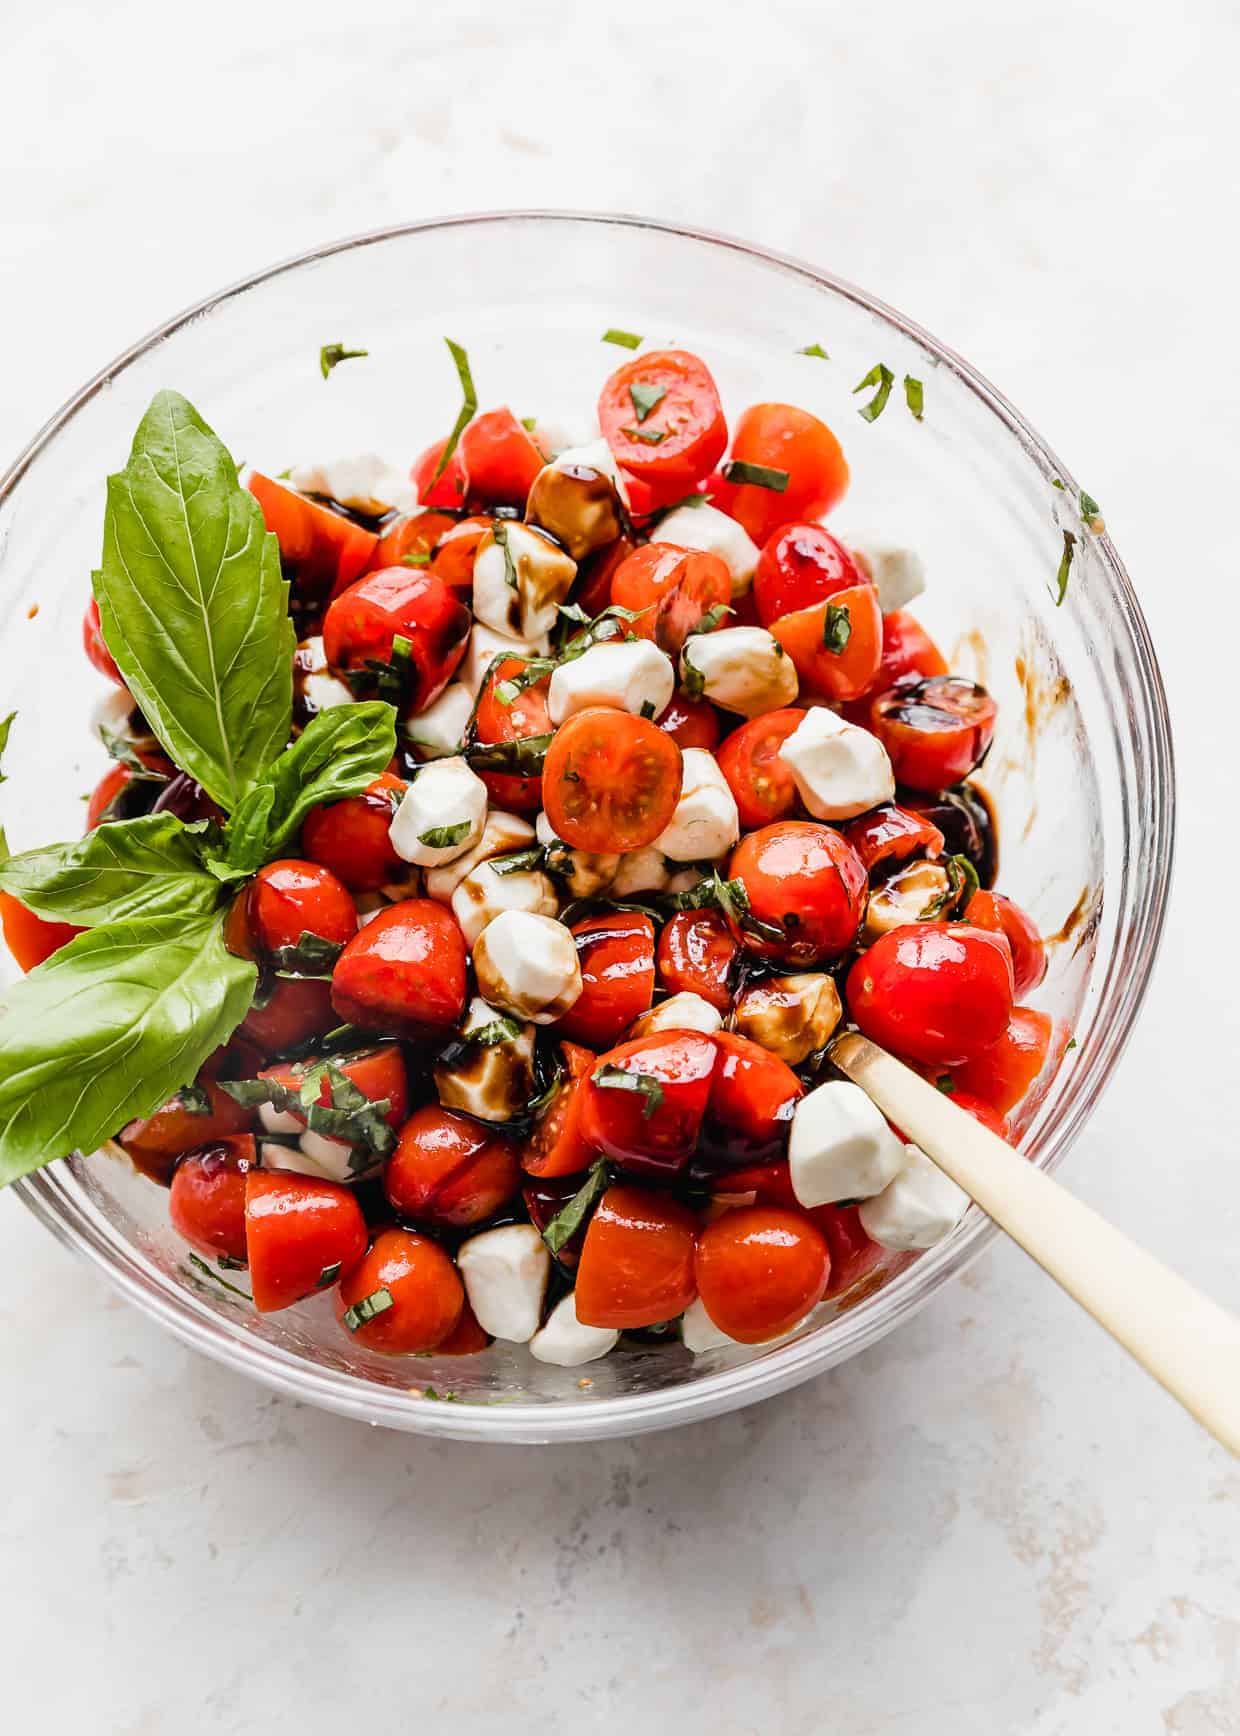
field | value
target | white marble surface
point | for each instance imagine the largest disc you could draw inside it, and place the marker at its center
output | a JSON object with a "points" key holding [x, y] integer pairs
{"points": [[991, 1523]]}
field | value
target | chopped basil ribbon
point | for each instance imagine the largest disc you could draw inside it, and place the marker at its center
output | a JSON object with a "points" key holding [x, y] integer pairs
{"points": [[647, 710], [815, 350], [758, 475], [419, 558], [646, 397], [468, 411], [714, 617], [880, 375], [945, 1083], [200, 1265], [626, 340], [731, 897], [311, 957], [953, 904], [1089, 508], [444, 837], [529, 423], [691, 677], [6, 725], [1065, 567], [194, 1100], [647, 436], [522, 757], [612, 623], [836, 628], [227, 1263], [499, 530], [387, 681], [331, 355], [914, 396], [611, 1078], [329, 1274], [378, 1302], [569, 1219], [1057, 482], [517, 862], [687, 500], [502, 1030], [351, 1116]]}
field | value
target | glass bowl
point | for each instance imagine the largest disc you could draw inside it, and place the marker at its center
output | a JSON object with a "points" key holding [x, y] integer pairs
{"points": [[1081, 771]]}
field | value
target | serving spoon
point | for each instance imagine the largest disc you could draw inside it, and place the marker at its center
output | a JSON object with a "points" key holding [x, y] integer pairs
{"points": [[1189, 1344]]}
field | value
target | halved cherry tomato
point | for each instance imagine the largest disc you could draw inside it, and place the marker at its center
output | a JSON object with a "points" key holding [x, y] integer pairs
{"points": [[321, 550], [294, 1009], [892, 834], [767, 1184], [800, 565], [697, 950], [496, 723], [636, 1265], [681, 435], [933, 991], [752, 1098], [415, 536], [782, 437], [450, 488], [447, 1169], [610, 781], [672, 589], [352, 837], [378, 1073], [852, 1252], [690, 722], [156, 1141], [650, 1125], [500, 459], [206, 1204], [836, 645], [301, 1235], [96, 650], [287, 899], [1003, 1072], [986, 1113], [417, 1288], [805, 879], [453, 560], [403, 972], [615, 951], [106, 797], [556, 1146], [466, 1338], [762, 784], [363, 621], [935, 730], [759, 1271], [1001, 915], [592, 587], [31, 938], [907, 650]]}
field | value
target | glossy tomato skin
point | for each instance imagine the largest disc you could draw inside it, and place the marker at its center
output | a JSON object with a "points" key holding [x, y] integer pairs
{"points": [[853, 1254], [801, 565], [671, 590], [378, 1073], [636, 1266], [500, 459], [206, 1202], [495, 723], [610, 781], [31, 939], [352, 837], [321, 551], [544, 1198], [936, 731], [450, 488], [759, 1271], [990, 1117], [106, 796], [411, 541], [651, 1133], [811, 637], [689, 416], [404, 972], [615, 951], [427, 1296], [697, 951], [758, 778], [363, 621], [289, 898], [782, 437], [907, 650], [453, 560], [296, 1009], [449, 1170], [691, 723], [155, 1142], [592, 587], [893, 834], [933, 991], [466, 1338], [556, 1146], [93, 645], [752, 1098], [300, 1234], [806, 879], [1001, 915], [1003, 1073]]}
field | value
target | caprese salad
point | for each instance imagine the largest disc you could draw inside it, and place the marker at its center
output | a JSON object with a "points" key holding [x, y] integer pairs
{"points": [[489, 855]]}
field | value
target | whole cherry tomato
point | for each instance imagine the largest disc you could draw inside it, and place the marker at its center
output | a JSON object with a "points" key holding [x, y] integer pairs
{"points": [[155, 1142], [615, 951], [544, 1198], [758, 778], [96, 650], [411, 541], [935, 730], [907, 650], [321, 550], [610, 781], [672, 590], [287, 899], [1001, 915], [782, 437], [760, 1270], [836, 645], [933, 991], [500, 459], [556, 1146], [404, 972], [31, 938], [352, 837], [853, 1254], [447, 1169], [451, 485], [644, 1101], [496, 724], [364, 621], [288, 1013], [662, 418], [453, 560], [378, 1073], [206, 1204], [806, 880], [800, 565], [1002, 1073], [466, 1338], [405, 1295], [592, 588], [892, 834], [752, 1098], [636, 1265], [986, 1113], [690, 722], [301, 1235], [696, 953]]}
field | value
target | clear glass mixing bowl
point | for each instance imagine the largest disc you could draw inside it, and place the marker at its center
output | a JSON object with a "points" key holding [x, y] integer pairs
{"points": [[1081, 772]]}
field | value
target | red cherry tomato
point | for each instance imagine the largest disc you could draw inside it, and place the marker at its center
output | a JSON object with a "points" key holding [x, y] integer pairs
{"points": [[853, 1254], [351, 837], [935, 731], [105, 798], [287, 899], [404, 972], [544, 1198], [156, 1141], [800, 565], [447, 1169], [1002, 1073], [452, 484], [419, 1289], [752, 1098], [466, 1338], [321, 551], [682, 436], [1000, 915], [984, 1112], [500, 459], [206, 1204], [933, 991], [769, 1184], [592, 590], [296, 1009], [691, 723], [453, 560], [556, 1146], [653, 1126], [759, 1271], [411, 541], [31, 938], [300, 1235], [636, 1265], [96, 650], [364, 620], [837, 645], [907, 650], [610, 781], [781, 437], [615, 951], [696, 953], [496, 723], [672, 589], [762, 784], [891, 834], [378, 1073], [805, 879]]}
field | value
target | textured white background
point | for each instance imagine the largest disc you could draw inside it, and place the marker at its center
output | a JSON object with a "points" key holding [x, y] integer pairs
{"points": [[989, 1526]]}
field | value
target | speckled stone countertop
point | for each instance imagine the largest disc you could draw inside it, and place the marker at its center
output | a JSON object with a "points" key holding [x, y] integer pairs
{"points": [[990, 1525]]}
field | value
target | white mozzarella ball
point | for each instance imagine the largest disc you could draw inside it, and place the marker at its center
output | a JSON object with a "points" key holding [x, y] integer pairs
{"points": [[495, 1080], [582, 872], [896, 573], [437, 732], [505, 1274], [917, 1209], [705, 527], [742, 669], [705, 823], [314, 686], [566, 1343], [627, 675], [441, 816], [580, 498], [483, 894], [275, 1120], [683, 1012], [527, 965], [698, 1331], [554, 435], [366, 482], [111, 712], [792, 1016], [520, 579], [502, 834], [331, 1163], [644, 870], [839, 768], [840, 1147], [485, 645]]}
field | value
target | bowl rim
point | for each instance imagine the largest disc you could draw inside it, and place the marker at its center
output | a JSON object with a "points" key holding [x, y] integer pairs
{"points": [[63, 1212]]}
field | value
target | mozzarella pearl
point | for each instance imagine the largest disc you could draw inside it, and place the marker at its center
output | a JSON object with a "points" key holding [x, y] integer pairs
{"points": [[483, 895], [682, 1012], [839, 768], [495, 1081], [705, 823], [698, 1331], [443, 796], [897, 574], [915, 893], [520, 579], [325, 1159], [644, 870], [580, 498], [502, 834], [742, 669], [485, 645], [705, 527], [581, 872], [840, 1147], [792, 1016], [917, 1209], [437, 731], [627, 675], [527, 965], [566, 1343], [553, 435], [366, 483], [505, 1274]]}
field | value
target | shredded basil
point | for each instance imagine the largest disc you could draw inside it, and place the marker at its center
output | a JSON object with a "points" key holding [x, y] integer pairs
{"points": [[517, 862], [499, 531], [612, 1078], [647, 436], [350, 1116], [880, 375], [647, 709], [311, 957], [468, 411], [329, 1274], [626, 340], [757, 475], [714, 617], [646, 397], [419, 558], [194, 1100], [836, 628], [569, 1219], [945, 1083], [1090, 509], [815, 350], [444, 837], [331, 355], [522, 757], [914, 396], [200, 1265], [692, 679], [378, 1302], [1065, 567]]}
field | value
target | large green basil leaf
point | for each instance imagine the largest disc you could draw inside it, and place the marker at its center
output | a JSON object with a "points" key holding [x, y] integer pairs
{"points": [[193, 606], [130, 868], [108, 1029]]}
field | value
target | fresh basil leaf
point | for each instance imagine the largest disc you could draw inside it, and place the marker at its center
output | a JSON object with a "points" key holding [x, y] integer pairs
{"points": [[836, 628], [109, 1028], [646, 397], [880, 375], [331, 355], [626, 340], [609, 1077], [569, 1219], [193, 606], [142, 867], [756, 475], [914, 396], [1065, 567], [468, 411], [125, 754], [6, 725]]}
